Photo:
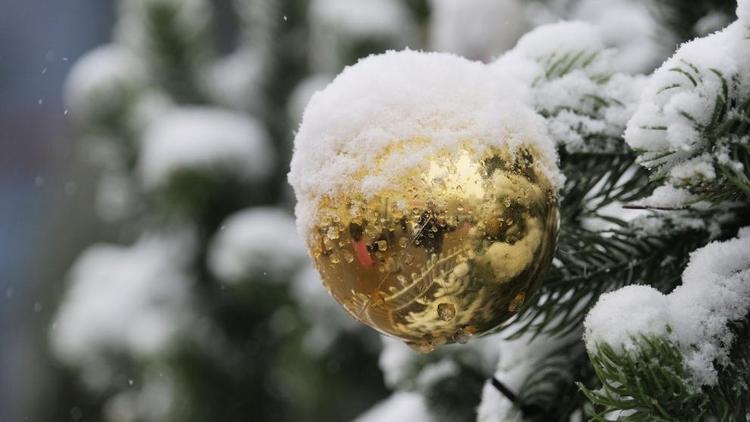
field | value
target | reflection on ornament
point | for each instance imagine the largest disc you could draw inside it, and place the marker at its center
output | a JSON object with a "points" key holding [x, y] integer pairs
{"points": [[448, 253]]}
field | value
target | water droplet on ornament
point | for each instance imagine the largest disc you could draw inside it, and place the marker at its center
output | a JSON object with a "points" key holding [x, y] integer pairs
{"points": [[334, 259], [446, 311], [421, 347], [517, 302], [382, 245], [462, 337]]}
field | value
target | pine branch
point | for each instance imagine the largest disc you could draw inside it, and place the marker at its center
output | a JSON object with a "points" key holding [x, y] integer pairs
{"points": [[175, 52], [651, 383], [592, 263]]}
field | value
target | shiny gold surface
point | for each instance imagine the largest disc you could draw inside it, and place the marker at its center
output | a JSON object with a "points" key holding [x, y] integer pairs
{"points": [[449, 253]]}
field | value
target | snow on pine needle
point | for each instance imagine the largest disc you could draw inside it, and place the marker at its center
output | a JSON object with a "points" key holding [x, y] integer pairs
{"points": [[695, 317], [130, 301], [205, 140], [256, 244], [574, 85], [692, 125], [104, 84]]}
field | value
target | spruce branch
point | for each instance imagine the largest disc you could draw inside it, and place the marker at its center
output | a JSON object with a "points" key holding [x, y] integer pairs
{"points": [[651, 383]]}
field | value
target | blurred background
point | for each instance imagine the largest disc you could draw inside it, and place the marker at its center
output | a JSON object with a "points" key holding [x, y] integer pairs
{"points": [[150, 269]]}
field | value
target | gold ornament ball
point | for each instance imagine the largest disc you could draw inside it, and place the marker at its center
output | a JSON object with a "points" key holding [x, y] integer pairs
{"points": [[451, 252]]}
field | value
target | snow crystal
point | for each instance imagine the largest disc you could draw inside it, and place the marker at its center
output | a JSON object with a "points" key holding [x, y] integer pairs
{"points": [[715, 290], [476, 29], [103, 82], [256, 244], [201, 138], [326, 317], [400, 406], [337, 25], [399, 96], [131, 300]]}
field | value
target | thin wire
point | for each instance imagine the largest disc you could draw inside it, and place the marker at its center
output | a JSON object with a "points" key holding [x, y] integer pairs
{"points": [[527, 409]]}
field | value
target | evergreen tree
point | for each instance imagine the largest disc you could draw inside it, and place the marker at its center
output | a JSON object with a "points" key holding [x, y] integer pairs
{"points": [[207, 308]]}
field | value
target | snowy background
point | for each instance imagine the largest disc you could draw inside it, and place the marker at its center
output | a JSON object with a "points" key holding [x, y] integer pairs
{"points": [[54, 203]]}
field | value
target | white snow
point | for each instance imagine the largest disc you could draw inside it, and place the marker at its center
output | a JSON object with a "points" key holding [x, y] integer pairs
{"points": [[396, 361], [338, 25], [677, 104], [148, 108], [625, 25], [517, 360], [204, 139], [405, 369], [235, 81], [743, 12], [258, 244], [149, 401], [547, 40], [715, 290], [131, 300], [573, 100], [398, 97], [400, 406], [115, 196], [629, 27], [103, 82], [476, 29]]}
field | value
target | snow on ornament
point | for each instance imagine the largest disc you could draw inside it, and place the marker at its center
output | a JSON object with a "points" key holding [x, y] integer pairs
{"points": [[427, 195]]}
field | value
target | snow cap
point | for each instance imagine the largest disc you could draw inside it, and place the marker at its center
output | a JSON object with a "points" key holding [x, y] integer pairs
{"points": [[400, 96]]}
